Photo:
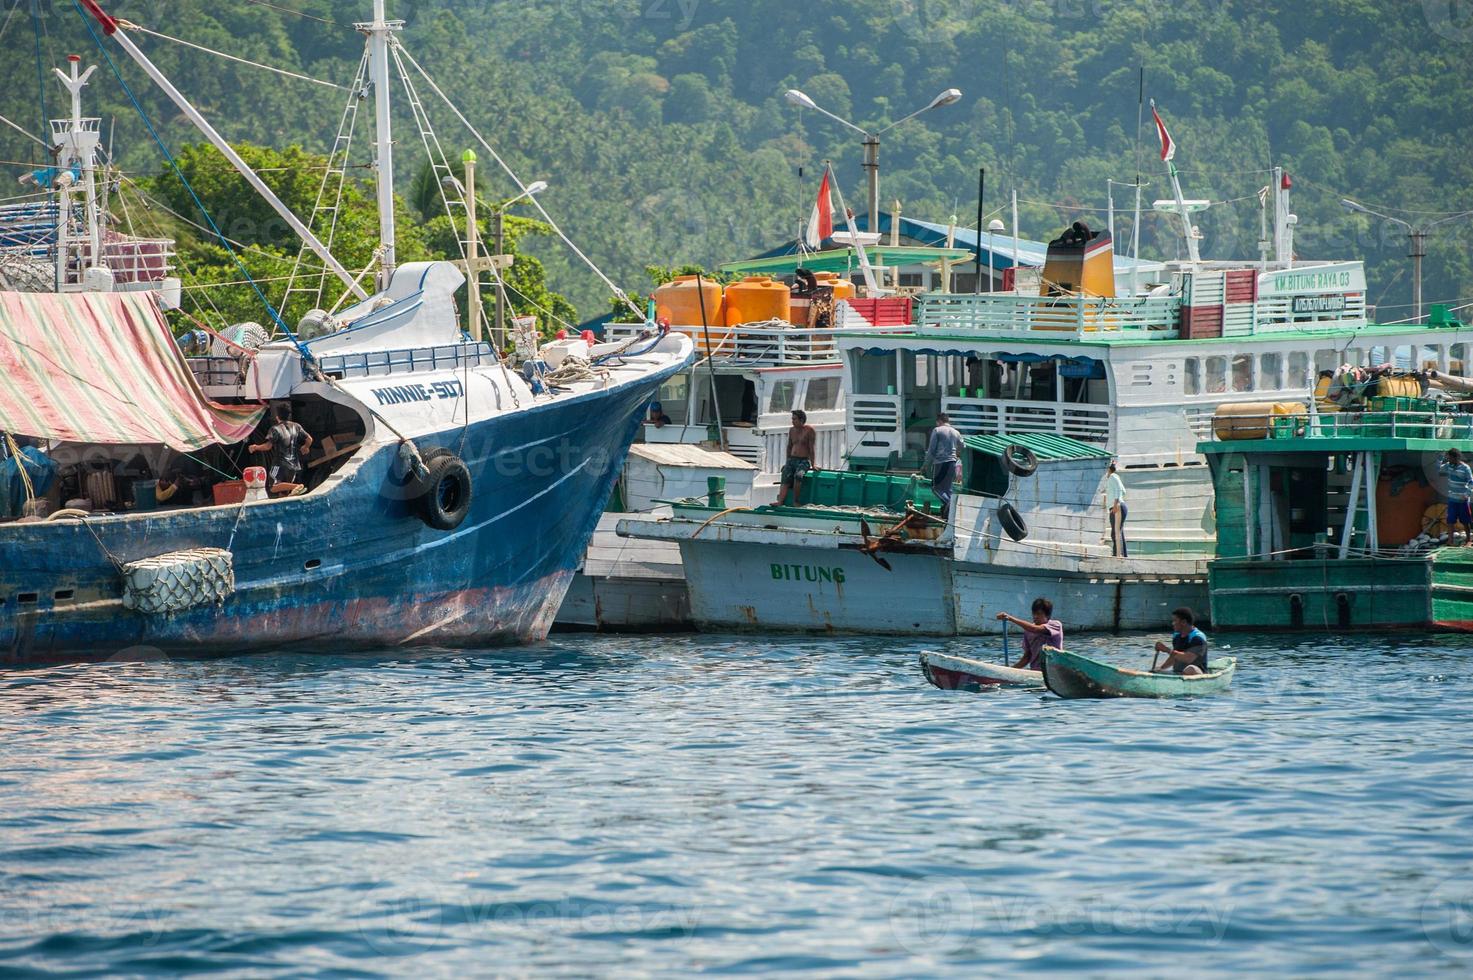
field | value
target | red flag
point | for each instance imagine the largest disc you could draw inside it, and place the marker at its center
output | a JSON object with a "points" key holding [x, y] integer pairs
{"points": [[821, 222], [1168, 145]]}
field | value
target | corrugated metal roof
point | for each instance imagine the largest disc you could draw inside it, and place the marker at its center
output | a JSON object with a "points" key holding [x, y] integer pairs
{"points": [[682, 454], [1043, 445]]}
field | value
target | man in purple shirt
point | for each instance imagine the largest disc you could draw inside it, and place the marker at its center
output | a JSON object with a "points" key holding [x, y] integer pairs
{"points": [[1044, 631]]}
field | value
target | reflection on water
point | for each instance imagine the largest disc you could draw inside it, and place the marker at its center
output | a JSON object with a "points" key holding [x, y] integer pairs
{"points": [[726, 804]]}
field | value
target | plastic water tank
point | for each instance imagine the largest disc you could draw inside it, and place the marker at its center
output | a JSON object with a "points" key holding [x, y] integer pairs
{"points": [[758, 298], [678, 302]]}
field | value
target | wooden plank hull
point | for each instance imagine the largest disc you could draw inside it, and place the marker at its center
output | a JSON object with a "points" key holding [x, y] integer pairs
{"points": [[952, 673], [1072, 675]]}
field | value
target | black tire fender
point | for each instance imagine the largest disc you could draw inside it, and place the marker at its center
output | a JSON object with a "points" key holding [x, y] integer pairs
{"points": [[1020, 461], [447, 497], [1012, 522]]}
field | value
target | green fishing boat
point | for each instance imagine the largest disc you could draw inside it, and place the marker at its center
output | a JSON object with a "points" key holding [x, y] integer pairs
{"points": [[1073, 675], [1335, 519]]}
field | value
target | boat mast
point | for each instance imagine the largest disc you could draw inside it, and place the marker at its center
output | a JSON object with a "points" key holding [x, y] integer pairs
{"points": [[114, 28], [79, 146], [379, 33]]}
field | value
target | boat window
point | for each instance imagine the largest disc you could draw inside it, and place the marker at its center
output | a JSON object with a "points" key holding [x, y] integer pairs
{"points": [[1326, 360], [782, 397], [823, 393], [1242, 372], [964, 282], [1431, 357], [912, 280], [1192, 376], [874, 374], [1268, 371], [737, 397], [1298, 369], [1457, 358], [674, 394], [1216, 375], [1353, 357]]}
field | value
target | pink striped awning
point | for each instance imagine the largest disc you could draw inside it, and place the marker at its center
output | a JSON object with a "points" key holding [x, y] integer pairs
{"points": [[104, 368]]}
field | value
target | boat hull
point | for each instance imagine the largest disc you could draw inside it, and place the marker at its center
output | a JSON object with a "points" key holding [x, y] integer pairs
{"points": [[1071, 675], [352, 564], [951, 673]]}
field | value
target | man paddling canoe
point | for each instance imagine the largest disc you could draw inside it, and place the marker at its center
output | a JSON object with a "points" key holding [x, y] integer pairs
{"points": [[1044, 631], [1187, 654]]}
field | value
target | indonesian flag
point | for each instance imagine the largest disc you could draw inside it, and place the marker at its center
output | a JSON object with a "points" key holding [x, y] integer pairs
{"points": [[821, 222], [1168, 145]]}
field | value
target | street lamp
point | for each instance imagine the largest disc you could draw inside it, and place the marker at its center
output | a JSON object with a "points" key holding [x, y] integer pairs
{"points": [[993, 228], [872, 139], [1418, 238]]}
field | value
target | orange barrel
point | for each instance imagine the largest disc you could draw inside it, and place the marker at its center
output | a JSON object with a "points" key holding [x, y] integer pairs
{"points": [[678, 302], [758, 298], [843, 288]]}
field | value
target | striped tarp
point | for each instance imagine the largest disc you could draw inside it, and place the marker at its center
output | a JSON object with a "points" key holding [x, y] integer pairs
{"points": [[104, 368]]}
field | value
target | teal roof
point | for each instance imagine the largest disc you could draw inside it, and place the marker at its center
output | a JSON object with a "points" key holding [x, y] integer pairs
{"points": [[1043, 445]]}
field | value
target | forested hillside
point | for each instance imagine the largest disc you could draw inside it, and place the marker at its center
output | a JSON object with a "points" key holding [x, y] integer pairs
{"points": [[661, 127]]}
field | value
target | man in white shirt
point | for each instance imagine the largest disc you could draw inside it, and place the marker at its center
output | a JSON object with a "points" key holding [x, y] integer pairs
{"points": [[1115, 504]]}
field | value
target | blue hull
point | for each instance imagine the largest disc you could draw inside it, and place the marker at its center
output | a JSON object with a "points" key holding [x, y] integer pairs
{"points": [[351, 565]]}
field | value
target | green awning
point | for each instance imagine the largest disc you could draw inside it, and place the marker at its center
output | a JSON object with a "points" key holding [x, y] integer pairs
{"points": [[847, 260], [1043, 445]]}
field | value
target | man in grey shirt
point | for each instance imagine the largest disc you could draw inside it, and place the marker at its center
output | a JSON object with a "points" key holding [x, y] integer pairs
{"points": [[943, 455]]}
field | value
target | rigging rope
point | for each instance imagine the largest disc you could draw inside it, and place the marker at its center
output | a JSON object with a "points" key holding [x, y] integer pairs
{"points": [[244, 61], [622, 296]]}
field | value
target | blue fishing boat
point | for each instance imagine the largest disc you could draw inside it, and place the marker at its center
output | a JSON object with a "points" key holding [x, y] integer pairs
{"points": [[446, 498]]}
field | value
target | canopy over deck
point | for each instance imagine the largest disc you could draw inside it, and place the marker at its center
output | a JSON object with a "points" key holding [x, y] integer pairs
{"points": [[104, 368], [846, 260]]}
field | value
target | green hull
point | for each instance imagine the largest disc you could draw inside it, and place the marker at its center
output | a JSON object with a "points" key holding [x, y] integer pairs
{"points": [[1434, 592], [1070, 675]]}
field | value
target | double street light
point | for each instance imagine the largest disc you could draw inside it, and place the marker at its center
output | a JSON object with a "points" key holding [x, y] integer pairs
{"points": [[1417, 235], [872, 140]]}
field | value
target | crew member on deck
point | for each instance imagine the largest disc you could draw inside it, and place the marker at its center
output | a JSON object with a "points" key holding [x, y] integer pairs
{"points": [[1187, 654], [1459, 496], [1043, 631], [1115, 505], [802, 443], [288, 443], [943, 456], [658, 418]]}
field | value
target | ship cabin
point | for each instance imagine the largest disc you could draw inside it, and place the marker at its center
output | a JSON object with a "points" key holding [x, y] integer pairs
{"points": [[1139, 375], [1336, 520]]}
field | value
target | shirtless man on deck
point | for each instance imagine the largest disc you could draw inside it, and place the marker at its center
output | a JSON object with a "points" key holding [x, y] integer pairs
{"points": [[801, 442]]}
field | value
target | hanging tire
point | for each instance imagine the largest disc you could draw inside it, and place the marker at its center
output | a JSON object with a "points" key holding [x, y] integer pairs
{"points": [[1012, 521], [1019, 460], [447, 497]]}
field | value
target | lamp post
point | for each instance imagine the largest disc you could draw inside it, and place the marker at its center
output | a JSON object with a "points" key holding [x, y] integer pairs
{"points": [[872, 140], [1417, 236], [993, 227], [498, 232]]}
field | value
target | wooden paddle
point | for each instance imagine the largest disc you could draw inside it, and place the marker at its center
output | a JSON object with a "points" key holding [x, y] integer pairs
{"points": [[1007, 658]]}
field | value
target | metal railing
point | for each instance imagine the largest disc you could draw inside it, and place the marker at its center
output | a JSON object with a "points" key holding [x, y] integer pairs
{"points": [[138, 259], [1066, 317], [1345, 425], [218, 372], [406, 361], [991, 416], [758, 346]]}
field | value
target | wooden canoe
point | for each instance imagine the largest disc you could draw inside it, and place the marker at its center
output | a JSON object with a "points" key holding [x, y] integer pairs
{"points": [[1071, 675], [951, 673]]}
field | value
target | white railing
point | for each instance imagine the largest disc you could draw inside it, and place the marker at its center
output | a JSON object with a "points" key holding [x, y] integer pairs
{"points": [[1066, 317], [758, 346], [1275, 314], [990, 416], [138, 259]]}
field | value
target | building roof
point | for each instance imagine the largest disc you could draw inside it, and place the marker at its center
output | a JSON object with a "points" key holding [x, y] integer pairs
{"points": [[999, 252], [846, 260]]}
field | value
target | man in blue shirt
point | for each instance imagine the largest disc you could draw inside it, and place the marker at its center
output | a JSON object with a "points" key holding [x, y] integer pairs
{"points": [[1459, 496], [1187, 654]]}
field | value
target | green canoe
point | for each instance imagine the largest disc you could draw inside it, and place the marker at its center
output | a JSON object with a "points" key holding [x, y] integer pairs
{"points": [[1070, 675]]}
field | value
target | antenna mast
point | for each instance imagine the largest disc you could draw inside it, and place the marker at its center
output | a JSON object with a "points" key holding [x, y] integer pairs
{"points": [[380, 33]]}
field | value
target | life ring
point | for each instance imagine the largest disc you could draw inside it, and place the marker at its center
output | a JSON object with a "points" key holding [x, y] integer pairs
{"points": [[1012, 521], [447, 497], [1020, 461]]}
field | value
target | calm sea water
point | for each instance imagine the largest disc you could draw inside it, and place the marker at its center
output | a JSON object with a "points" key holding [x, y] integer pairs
{"points": [[734, 805]]}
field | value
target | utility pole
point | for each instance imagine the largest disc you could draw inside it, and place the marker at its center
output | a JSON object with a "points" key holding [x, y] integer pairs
{"points": [[872, 176], [1418, 238], [472, 240]]}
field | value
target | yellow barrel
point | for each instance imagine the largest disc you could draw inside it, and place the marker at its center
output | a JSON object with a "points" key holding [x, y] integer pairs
{"points": [[1399, 388], [843, 288], [758, 298], [1251, 420], [678, 302]]}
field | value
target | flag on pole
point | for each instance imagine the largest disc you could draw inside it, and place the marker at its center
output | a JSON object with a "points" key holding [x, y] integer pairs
{"points": [[821, 222], [1168, 145]]}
